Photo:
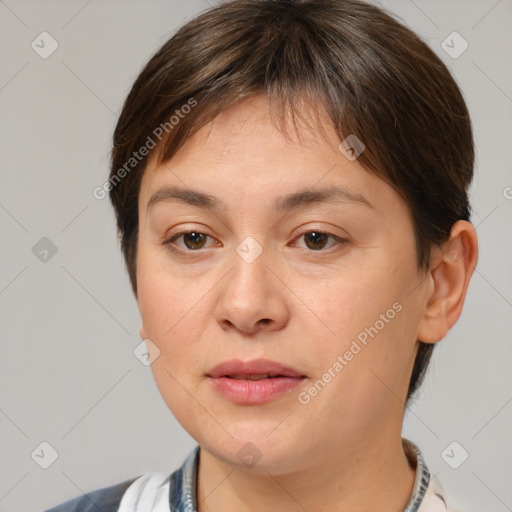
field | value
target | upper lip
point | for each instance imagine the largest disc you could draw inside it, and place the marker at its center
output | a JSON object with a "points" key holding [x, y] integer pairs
{"points": [[254, 367]]}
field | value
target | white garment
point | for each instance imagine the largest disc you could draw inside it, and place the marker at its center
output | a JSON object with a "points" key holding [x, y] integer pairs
{"points": [[434, 501], [150, 493]]}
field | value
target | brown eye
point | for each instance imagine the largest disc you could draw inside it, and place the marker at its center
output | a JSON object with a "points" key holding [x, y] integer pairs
{"points": [[194, 240], [318, 240]]}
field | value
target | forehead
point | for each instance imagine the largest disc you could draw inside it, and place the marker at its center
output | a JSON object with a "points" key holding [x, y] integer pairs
{"points": [[242, 153]]}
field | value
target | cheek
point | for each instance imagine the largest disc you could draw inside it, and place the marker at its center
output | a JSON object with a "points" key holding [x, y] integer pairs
{"points": [[166, 300], [348, 302], [368, 319], [171, 318], [166, 310], [175, 312]]}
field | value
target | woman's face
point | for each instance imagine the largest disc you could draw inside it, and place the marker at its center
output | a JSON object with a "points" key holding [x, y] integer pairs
{"points": [[277, 267]]}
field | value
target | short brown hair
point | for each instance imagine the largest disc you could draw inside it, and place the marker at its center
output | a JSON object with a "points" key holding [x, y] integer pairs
{"points": [[375, 77]]}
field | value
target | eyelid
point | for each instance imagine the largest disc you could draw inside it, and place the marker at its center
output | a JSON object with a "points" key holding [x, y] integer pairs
{"points": [[169, 240], [325, 229]]}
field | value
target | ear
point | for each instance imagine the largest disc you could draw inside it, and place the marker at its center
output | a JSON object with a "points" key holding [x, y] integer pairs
{"points": [[452, 266]]}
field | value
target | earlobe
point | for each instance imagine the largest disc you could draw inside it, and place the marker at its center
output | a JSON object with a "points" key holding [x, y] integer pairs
{"points": [[451, 270]]}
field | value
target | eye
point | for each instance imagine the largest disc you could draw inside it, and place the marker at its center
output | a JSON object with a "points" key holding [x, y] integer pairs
{"points": [[317, 240], [192, 240]]}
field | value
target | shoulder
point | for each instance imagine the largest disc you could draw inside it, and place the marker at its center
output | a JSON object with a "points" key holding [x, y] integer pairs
{"points": [[106, 499]]}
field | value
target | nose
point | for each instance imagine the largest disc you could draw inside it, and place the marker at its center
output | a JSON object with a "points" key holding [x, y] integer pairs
{"points": [[254, 297]]}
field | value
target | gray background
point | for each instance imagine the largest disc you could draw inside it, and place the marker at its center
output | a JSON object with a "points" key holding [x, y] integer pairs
{"points": [[69, 325]]}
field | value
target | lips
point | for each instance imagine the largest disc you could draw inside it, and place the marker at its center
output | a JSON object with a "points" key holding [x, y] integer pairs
{"points": [[257, 369], [258, 376], [253, 382]]}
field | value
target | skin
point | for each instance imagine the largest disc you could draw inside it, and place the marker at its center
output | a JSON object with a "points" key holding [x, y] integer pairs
{"points": [[298, 303]]}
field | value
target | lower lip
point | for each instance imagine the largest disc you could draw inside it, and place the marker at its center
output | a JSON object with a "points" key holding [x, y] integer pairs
{"points": [[254, 391]]}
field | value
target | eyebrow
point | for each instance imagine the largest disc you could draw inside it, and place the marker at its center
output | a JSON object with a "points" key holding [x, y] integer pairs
{"points": [[287, 202]]}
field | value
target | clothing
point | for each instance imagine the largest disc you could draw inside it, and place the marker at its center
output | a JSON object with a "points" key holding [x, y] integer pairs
{"points": [[159, 492]]}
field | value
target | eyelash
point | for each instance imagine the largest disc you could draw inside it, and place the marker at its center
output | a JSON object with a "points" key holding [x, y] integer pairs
{"points": [[169, 243]]}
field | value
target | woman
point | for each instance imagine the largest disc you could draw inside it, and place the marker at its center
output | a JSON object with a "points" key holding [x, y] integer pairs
{"points": [[290, 186]]}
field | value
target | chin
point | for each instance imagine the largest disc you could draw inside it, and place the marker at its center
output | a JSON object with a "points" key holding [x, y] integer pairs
{"points": [[252, 447]]}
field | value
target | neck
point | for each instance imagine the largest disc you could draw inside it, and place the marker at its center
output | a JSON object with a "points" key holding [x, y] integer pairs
{"points": [[369, 476]]}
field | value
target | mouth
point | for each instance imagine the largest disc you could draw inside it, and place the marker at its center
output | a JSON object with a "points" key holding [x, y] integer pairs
{"points": [[258, 376], [253, 382], [257, 369]]}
